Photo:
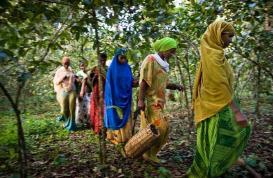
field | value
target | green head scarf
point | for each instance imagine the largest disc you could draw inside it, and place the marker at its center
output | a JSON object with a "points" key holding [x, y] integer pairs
{"points": [[164, 44]]}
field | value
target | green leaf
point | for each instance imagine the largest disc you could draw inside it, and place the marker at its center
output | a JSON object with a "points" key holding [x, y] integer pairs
{"points": [[163, 172], [59, 160]]}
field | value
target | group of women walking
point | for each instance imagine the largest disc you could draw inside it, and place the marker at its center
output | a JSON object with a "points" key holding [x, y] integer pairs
{"points": [[222, 129]]}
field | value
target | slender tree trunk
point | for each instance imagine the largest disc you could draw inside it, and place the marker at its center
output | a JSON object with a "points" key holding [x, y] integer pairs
{"points": [[182, 81], [187, 67], [257, 93], [22, 155], [181, 94], [22, 147], [186, 96], [102, 135], [188, 71]]}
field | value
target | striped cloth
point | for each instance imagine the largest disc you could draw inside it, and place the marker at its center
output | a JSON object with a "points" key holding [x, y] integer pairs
{"points": [[220, 142]]}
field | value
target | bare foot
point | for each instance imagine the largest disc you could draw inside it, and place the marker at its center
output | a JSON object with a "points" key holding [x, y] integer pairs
{"points": [[151, 158], [252, 171]]}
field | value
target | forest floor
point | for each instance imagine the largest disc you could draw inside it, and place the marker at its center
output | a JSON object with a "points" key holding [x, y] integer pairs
{"points": [[54, 152]]}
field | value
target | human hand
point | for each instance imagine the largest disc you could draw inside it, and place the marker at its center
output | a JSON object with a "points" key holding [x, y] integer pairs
{"points": [[240, 119], [81, 94], [65, 77], [141, 104], [135, 81]]}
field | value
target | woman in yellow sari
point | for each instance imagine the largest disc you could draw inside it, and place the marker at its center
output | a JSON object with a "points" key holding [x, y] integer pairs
{"points": [[222, 129]]}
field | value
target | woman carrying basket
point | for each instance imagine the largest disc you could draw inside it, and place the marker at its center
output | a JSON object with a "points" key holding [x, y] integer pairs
{"points": [[153, 82]]}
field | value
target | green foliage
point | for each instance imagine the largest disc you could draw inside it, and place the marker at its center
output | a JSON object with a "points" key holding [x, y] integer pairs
{"points": [[36, 130], [59, 160], [37, 35], [8, 141], [164, 173]]}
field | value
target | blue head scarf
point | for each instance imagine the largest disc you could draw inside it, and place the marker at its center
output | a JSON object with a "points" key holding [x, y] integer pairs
{"points": [[118, 93]]}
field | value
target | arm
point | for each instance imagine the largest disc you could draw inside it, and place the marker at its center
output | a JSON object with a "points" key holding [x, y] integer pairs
{"points": [[61, 80], [58, 78], [239, 117], [135, 83], [146, 78], [173, 86], [83, 88], [77, 79], [141, 97], [93, 76]]}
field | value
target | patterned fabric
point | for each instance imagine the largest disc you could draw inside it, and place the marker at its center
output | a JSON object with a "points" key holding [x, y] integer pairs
{"points": [[154, 114], [64, 79], [95, 108], [156, 78], [121, 135], [82, 111], [67, 101], [82, 105], [220, 142], [164, 64]]}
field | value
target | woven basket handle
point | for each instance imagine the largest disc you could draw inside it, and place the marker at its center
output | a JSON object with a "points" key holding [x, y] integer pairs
{"points": [[142, 114]]}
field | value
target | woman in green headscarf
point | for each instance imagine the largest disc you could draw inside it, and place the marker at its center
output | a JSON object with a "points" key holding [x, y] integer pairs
{"points": [[222, 129], [153, 82]]}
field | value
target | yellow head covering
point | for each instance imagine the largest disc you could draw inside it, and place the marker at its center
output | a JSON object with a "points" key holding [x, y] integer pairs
{"points": [[213, 81], [164, 44]]}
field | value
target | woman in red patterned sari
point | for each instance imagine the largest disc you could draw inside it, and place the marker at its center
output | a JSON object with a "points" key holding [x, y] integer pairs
{"points": [[95, 108]]}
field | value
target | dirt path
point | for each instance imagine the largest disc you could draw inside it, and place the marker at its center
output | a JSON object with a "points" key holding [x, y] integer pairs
{"points": [[75, 154]]}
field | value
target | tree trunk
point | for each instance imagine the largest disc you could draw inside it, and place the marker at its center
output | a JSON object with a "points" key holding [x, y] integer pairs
{"points": [[102, 134], [22, 155], [188, 71], [186, 66], [257, 93], [22, 147], [186, 95], [182, 81], [181, 94]]}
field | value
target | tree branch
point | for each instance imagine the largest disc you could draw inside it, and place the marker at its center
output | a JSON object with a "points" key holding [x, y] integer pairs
{"points": [[256, 63], [56, 2], [6, 93], [19, 91]]}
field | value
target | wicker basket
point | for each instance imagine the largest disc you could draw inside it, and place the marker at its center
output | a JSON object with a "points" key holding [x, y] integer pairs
{"points": [[141, 141]]}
